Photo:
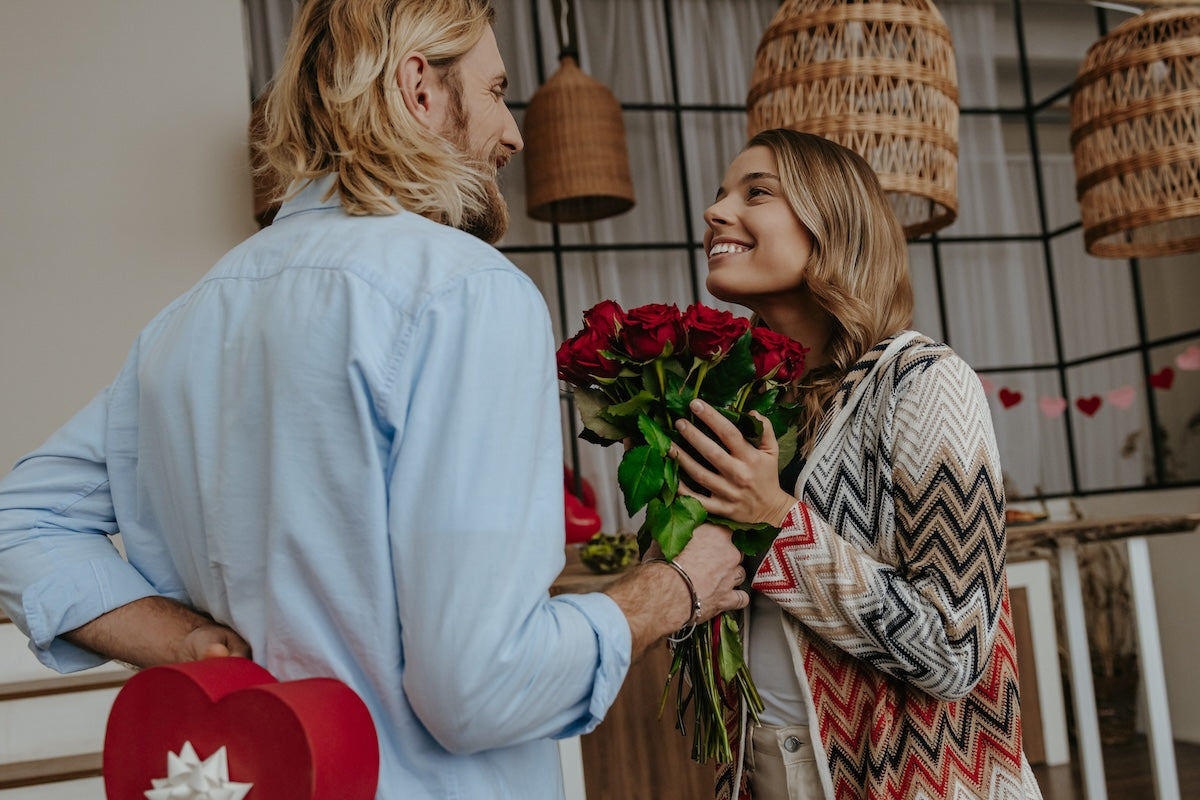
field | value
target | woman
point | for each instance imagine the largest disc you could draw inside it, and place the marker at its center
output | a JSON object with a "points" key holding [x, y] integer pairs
{"points": [[880, 635]]}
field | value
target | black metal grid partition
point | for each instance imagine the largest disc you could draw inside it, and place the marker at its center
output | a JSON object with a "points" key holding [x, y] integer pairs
{"points": [[1081, 358]]}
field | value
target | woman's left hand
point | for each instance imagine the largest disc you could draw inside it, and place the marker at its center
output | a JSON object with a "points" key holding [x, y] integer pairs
{"points": [[745, 484]]}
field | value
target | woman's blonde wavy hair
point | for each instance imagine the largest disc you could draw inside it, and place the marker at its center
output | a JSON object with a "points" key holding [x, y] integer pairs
{"points": [[858, 270], [335, 107]]}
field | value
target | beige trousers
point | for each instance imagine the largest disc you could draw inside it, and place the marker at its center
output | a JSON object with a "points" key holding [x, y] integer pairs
{"points": [[783, 763]]}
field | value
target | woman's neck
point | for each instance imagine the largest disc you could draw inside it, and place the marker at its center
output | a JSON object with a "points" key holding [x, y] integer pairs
{"points": [[803, 320]]}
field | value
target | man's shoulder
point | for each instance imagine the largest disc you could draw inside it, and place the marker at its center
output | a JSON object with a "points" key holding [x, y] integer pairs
{"points": [[409, 241], [403, 256]]}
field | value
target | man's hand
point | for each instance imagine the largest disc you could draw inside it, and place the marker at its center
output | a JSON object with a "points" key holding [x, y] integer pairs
{"points": [[212, 640], [655, 597], [157, 630]]}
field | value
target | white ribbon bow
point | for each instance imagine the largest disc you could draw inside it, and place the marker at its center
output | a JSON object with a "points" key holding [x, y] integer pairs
{"points": [[189, 778]]}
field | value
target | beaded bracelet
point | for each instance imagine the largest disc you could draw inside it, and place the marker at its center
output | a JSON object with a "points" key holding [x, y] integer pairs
{"points": [[681, 634]]}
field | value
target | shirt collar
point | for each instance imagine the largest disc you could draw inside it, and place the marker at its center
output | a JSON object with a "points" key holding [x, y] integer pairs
{"points": [[312, 197]]}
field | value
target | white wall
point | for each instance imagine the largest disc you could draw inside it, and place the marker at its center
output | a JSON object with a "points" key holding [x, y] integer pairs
{"points": [[125, 177]]}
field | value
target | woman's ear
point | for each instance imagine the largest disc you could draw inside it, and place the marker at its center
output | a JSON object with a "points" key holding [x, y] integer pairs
{"points": [[421, 90]]}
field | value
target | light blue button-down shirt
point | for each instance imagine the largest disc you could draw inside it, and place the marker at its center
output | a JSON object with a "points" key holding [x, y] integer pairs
{"points": [[345, 443]]}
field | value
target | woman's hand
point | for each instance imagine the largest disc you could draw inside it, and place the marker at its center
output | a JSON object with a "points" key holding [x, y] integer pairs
{"points": [[745, 484]]}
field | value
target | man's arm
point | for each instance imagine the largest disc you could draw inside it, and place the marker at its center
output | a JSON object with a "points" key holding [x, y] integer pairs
{"points": [[157, 630]]}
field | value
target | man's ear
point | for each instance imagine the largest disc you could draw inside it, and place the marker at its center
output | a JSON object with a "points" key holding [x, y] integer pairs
{"points": [[421, 89]]}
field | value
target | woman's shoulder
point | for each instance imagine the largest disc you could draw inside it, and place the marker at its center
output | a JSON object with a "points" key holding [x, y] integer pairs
{"points": [[923, 359]]}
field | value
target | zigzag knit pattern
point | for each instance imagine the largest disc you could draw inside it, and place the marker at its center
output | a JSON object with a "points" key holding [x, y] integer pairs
{"points": [[892, 575]]}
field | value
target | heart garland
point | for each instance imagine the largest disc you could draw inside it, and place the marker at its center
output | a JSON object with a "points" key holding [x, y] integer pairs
{"points": [[1122, 397], [215, 726]]}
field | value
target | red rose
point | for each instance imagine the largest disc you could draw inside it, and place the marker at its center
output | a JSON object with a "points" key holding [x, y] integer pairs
{"points": [[776, 357], [652, 330], [580, 359], [712, 332], [606, 316]]}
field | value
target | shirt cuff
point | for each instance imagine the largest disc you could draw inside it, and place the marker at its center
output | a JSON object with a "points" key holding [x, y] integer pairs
{"points": [[73, 596], [614, 644]]}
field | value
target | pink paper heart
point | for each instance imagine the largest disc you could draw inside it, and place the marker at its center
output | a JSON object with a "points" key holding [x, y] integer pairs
{"points": [[1088, 405], [296, 740], [1189, 359], [1122, 397], [1009, 398], [988, 386], [1052, 406]]}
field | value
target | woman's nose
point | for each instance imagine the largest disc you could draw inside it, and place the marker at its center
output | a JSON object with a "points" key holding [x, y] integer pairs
{"points": [[713, 215]]}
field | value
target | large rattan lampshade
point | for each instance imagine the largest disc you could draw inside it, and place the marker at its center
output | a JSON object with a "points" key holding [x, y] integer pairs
{"points": [[576, 161], [1135, 134], [877, 76]]}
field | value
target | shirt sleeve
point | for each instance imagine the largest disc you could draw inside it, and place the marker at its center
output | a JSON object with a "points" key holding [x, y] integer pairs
{"points": [[476, 521], [58, 567], [931, 617]]}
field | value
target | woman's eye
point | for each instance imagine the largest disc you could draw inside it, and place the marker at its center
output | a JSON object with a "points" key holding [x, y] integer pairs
{"points": [[757, 191]]}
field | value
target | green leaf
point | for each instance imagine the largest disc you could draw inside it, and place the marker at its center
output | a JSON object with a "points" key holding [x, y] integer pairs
{"points": [[787, 447], [644, 538], [656, 437], [591, 405], [671, 485], [750, 538], [640, 475], [729, 651], [672, 524], [752, 428], [764, 401], [632, 406], [733, 372], [677, 395]]}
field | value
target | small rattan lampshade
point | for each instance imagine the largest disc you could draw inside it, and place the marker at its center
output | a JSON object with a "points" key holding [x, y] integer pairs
{"points": [[576, 162], [877, 76], [1135, 134]]}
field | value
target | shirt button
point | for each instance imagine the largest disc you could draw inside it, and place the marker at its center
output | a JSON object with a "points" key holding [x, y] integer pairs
{"points": [[791, 744]]}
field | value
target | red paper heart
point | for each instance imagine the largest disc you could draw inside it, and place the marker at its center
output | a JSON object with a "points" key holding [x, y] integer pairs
{"points": [[1088, 405], [1009, 398], [1163, 378], [310, 739]]}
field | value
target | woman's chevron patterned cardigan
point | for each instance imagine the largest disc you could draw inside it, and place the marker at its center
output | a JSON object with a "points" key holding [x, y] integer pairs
{"points": [[891, 575]]}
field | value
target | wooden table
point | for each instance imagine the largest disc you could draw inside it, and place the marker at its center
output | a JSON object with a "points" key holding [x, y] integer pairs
{"points": [[1062, 539], [632, 755]]}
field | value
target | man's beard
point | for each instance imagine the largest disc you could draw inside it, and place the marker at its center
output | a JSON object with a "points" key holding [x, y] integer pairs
{"points": [[489, 223]]}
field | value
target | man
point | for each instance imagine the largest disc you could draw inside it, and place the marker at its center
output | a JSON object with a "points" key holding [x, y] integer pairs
{"points": [[343, 443]]}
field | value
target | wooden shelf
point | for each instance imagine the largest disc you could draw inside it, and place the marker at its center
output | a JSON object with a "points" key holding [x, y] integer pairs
{"points": [[50, 770], [66, 684]]}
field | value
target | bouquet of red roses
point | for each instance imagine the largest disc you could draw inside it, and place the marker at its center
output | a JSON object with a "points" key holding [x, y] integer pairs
{"points": [[634, 373]]}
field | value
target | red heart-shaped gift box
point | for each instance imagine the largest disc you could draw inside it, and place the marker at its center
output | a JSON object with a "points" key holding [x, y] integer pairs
{"points": [[309, 739]]}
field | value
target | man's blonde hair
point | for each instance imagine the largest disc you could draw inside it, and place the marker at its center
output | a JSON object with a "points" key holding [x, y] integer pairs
{"points": [[858, 270], [335, 107]]}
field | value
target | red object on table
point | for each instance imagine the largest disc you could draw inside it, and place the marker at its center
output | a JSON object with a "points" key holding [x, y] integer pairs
{"points": [[582, 519], [582, 522], [310, 739], [585, 491]]}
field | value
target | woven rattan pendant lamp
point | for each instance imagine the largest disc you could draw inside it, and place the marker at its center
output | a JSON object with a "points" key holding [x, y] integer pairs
{"points": [[576, 161], [877, 76], [1135, 135]]}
